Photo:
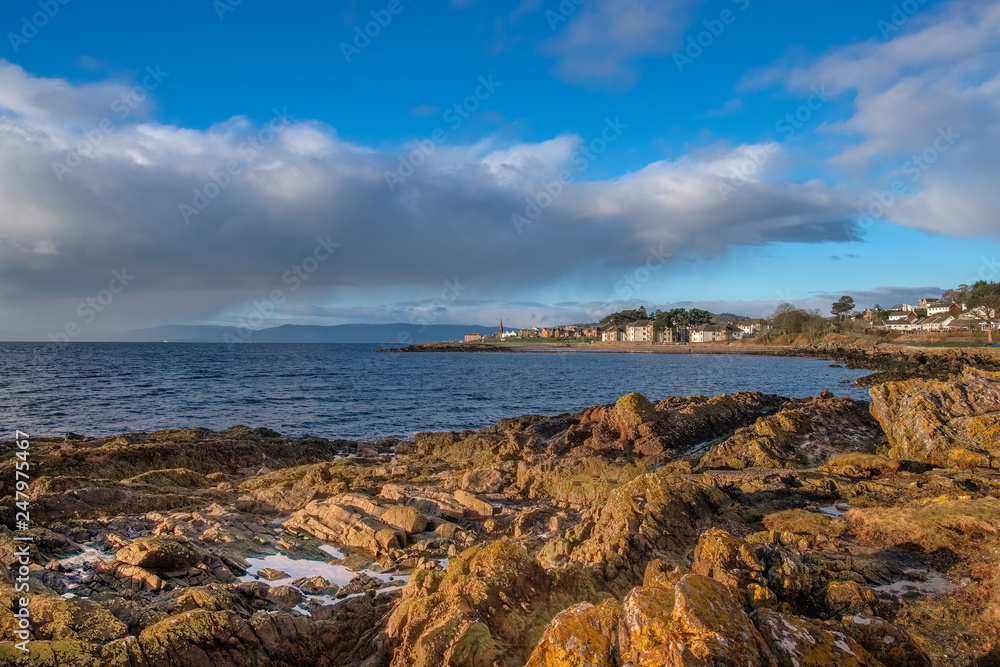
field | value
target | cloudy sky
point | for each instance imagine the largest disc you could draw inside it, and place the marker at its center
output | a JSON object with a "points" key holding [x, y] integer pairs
{"points": [[543, 161]]}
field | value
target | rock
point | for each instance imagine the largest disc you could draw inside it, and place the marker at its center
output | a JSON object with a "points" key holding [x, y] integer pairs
{"points": [[652, 516], [271, 574], [635, 424], [73, 619], [283, 597], [408, 519], [328, 521], [804, 433], [316, 586], [581, 636], [800, 642], [582, 523], [430, 502], [493, 601], [888, 643], [925, 420], [697, 620], [728, 560], [849, 597], [161, 554], [360, 583], [489, 480], [283, 498], [480, 507]]}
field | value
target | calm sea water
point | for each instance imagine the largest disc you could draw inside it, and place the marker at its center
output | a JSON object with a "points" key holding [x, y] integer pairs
{"points": [[352, 391]]}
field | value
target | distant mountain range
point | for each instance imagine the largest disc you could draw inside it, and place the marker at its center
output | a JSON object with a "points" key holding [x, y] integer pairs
{"points": [[294, 333]]}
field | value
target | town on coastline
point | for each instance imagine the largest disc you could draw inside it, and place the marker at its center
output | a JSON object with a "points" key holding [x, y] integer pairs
{"points": [[955, 312]]}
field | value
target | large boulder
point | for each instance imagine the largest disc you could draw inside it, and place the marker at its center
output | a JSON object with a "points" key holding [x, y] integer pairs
{"points": [[473, 503], [674, 619], [803, 433], [652, 516], [483, 480], [932, 420], [328, 521], [634, 424], [581, 636], [803, 642], [163, 562], [888, 643], [408, 519], [161, 553], [490, 607]]}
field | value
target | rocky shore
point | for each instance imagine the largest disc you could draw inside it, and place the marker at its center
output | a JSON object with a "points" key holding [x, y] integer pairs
{"points": [[746, 529]]}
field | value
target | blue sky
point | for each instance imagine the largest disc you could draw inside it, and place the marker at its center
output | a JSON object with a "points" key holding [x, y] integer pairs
{"points": [[729, 154]]}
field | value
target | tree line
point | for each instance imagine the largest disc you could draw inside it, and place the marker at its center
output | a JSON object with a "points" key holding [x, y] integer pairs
{"points": [[662, 319]]}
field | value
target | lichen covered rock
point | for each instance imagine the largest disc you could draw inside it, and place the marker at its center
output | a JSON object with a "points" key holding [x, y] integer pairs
{"points": [[581, 636], [804, 433], [926, 420]]}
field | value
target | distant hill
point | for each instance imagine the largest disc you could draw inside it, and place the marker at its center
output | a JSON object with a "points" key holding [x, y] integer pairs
{"points": [[726, 318], [367, 333], [295, 333]]}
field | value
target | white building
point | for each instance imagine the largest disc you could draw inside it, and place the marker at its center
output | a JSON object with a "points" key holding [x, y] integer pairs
{"points": [[709, 333], [753, 327], [613, 334], [640, 331]]}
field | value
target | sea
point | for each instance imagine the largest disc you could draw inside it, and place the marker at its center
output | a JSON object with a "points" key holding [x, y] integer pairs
{"points": [[355, 391]]}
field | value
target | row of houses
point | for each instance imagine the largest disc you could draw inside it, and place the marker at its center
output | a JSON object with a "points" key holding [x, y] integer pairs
{"points": [[923, 308], [571, 331], [937, 323], [643, 331], [928, 315]]}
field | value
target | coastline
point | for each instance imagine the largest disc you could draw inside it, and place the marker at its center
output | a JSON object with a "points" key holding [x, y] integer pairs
{"points": [[790, 514]]}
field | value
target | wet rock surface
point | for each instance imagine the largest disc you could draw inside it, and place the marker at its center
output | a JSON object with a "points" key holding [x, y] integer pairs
{"points": [[748, 529]]}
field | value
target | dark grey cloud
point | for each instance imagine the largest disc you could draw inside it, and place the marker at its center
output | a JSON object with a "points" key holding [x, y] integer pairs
{"points": [[158, 201]]}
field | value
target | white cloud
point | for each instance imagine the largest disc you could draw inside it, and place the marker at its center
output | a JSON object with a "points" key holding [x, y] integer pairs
{"points": [[605, 40], [451, 218], [937, 77]]}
